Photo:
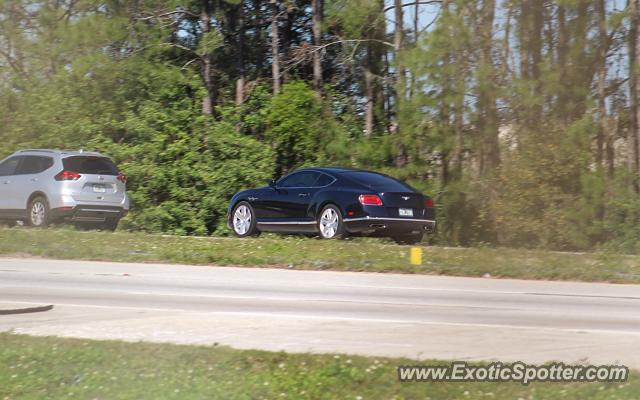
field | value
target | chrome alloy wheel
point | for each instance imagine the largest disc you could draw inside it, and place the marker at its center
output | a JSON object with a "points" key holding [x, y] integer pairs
{"points": [[329, 223], [242, 220], [38, 213]]}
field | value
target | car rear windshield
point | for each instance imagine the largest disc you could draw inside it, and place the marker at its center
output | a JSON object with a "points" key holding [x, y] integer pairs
{"points": [[378, 182], [90, 165]]}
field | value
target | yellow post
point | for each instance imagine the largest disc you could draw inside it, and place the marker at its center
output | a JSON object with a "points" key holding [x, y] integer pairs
{"points": [[415, 256]]}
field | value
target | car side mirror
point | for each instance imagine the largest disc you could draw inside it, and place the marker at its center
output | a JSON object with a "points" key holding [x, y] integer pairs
{"points": [[272, 183]]}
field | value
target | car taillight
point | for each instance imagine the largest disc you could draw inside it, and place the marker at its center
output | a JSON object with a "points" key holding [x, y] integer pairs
{"points": [[428, 202], [122, 178], [67, 176], [370, 200]]}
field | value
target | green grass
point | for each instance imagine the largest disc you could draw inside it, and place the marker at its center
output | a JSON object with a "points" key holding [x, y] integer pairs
{"points": [[54, 368], [374, 255]]}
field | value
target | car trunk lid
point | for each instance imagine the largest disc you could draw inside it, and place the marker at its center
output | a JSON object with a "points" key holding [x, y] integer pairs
{"points": [[403, 204], [402, 199]]}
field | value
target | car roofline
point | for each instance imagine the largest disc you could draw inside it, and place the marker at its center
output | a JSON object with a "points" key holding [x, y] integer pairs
{"points": [[62, 153], [332, 170]]}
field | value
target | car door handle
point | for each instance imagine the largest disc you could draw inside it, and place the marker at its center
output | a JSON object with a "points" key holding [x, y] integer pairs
{"points": [[6, 182], [34, 179], [303, 194]]}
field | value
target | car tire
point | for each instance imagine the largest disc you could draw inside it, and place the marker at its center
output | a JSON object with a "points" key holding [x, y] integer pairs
{"points": [[243, 220], [330, 223], [38, 215], [412, 238]]}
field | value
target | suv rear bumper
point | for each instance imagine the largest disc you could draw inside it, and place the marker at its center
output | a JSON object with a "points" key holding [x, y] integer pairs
{"points": [[88, 213]]}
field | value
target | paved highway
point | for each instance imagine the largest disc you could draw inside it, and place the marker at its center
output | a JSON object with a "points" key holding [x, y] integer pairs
{"points": [[319, 311]]}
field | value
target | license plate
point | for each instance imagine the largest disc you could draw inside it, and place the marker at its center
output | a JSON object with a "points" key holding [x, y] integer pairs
{"points": [[99, 189], [406, 212]]}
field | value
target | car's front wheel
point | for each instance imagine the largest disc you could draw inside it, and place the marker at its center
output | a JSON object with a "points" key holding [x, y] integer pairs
{"points": [[243, 220], [330, 224], [38, 212]]}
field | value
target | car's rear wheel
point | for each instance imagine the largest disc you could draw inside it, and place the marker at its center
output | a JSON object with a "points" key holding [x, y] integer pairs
{"points": [[38, 212], [411, 238], [243, 220], [330, 224]]}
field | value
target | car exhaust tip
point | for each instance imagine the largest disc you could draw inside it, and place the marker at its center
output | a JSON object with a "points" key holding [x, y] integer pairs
{"points": [[377, 226]]}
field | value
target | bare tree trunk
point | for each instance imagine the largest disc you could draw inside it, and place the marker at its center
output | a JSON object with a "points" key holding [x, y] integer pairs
{"points": [[524, 29], [458, 127], [416, 35], [634, 86], [561, 52], [416, 19], [488, 123], [208, 103], [374, 92], [602, 76], [535, 38], [388, 90], [505, 43], [275, 54], [369, 108], [240, 82], [582, 77], [401, 80], [317, 6], [286, 38], [258, 35], [536, 43], [456, 57], [398, 44]]}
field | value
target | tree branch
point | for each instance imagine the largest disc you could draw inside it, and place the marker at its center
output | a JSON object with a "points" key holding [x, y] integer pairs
{"points": [[422, 3], [167, 14]]}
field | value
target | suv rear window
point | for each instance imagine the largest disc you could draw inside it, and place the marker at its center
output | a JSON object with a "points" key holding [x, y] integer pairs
{"points": [[90, 165], [378, 181]]}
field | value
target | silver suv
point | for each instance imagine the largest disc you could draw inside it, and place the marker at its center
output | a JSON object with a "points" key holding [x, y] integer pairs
{"points": [[45, 186]]}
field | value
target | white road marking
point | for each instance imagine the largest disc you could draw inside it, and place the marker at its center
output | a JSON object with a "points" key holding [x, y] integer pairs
{"points": [[337, 318]]}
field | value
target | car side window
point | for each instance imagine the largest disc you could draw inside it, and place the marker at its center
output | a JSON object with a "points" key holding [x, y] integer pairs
{"points": [[9, 166], [34, 165], [299, 179], [323, 180]]}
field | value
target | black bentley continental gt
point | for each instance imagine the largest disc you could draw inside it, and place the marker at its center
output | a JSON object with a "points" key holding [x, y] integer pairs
{"points": [[334, 203]]}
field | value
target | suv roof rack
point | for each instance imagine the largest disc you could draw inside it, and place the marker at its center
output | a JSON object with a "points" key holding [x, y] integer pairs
{"points": [[37, 150]]}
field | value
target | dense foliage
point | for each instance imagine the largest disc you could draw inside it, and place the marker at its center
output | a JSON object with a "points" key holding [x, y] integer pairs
{"points": [[520, 117]]}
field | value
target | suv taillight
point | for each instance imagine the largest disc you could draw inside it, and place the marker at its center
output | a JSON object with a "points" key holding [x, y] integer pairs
{"points": [[122, 178], [67, 176], [369, 200], [428, 202]]}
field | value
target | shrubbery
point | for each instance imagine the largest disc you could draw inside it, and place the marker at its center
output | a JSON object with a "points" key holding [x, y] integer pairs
{"points": [[519, 120]]}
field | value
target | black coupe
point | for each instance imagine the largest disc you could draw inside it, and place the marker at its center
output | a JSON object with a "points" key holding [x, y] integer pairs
{"points": [[334, 203]]}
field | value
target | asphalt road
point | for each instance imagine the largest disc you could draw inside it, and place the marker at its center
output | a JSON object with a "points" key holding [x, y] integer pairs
{"points": [[319, 311]]}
